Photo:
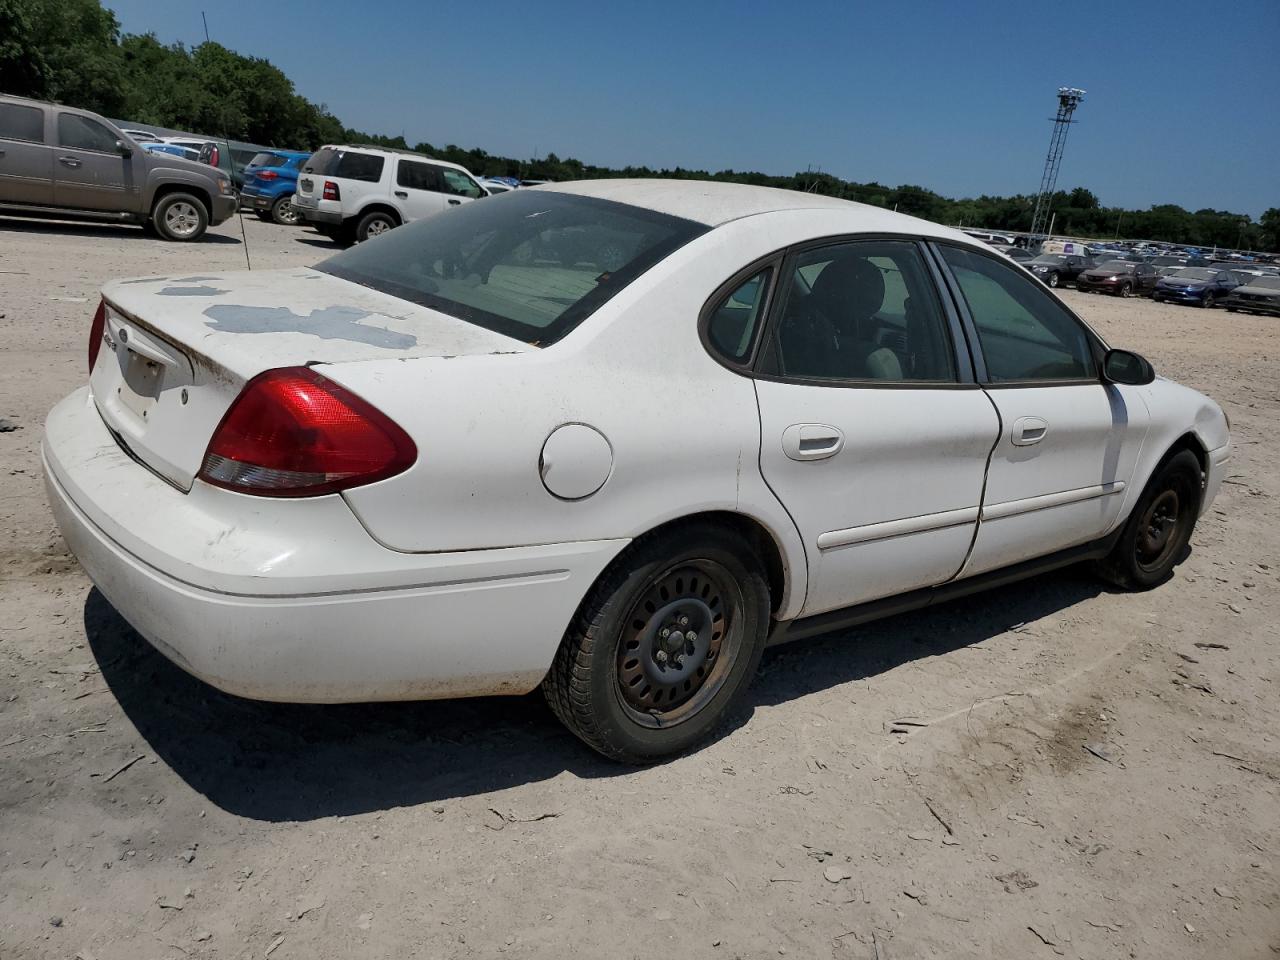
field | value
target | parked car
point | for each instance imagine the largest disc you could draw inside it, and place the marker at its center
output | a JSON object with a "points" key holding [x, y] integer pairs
{"points": [[231, 157], [139, 135], [1200, 286], [355, 192], [406, 474], [270, 179], [1055, 269], [172, 149], [1124, 278], [71, 164], [1258, 295], [1020, 254], [496, 185], [1159, 262]]}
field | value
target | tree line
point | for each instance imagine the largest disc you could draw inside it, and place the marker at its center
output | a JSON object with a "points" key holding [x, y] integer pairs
{"points": [[72, 51]]}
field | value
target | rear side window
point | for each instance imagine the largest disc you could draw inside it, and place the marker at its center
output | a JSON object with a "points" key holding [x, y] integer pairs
{"points": [[1025, 334], [417, 176], [735, 320], [21, 123], [81, 133], [346, 164]]}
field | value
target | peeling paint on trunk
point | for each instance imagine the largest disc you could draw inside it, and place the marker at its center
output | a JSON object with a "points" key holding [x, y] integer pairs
{"points": [[327, 323]]}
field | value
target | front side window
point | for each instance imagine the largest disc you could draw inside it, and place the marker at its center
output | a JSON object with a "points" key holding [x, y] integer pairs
{"points": [[861, 311], [459, 184], [733, 323], [81, 133], [1025, 334], [530, 264], [21, 123], [414, 175]]}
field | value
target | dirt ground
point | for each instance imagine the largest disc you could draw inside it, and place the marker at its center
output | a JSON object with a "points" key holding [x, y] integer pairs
{"points": [[1049, 770]]}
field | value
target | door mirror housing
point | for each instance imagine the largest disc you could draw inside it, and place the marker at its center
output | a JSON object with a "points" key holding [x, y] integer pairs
{"points": [[1127, 367], [124, 149]]}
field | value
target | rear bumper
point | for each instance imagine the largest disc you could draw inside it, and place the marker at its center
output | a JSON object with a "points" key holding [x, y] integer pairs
{"points": [[294, 601], [261, 201], [312, 215]]}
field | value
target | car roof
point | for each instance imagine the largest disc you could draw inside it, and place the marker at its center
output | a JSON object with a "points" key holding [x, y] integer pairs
{"points": [[714, 202], [395, 151]]}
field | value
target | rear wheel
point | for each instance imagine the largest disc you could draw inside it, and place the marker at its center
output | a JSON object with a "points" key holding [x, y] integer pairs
{"points": [[180, 217], [374, 224], [284, 212], [1126, 290], [1209, 301], [663, 645], [1160, 527]]}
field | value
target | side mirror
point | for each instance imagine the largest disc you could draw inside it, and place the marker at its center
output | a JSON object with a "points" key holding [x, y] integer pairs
{"points": [[1126, 367], [124, 149]]}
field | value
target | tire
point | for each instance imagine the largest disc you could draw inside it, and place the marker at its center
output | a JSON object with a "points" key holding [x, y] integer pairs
{"points": [[284, 212], [180, 217], [373, 224], [628, 689], [1054, 281], [1126, 290], [1159, 528], [1209, 301], [1232, 309]]}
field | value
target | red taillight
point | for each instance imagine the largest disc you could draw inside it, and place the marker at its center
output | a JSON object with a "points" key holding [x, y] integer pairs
{"points": [[96, 332], [266, 175], [331, 191], [294, 433], [213, 157]]}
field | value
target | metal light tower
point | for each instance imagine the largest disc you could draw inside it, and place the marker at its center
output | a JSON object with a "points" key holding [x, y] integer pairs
{"points": [[1068, 99]]}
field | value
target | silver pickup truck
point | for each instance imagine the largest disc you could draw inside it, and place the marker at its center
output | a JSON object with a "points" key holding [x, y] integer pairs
{"points": [[66, 164]]}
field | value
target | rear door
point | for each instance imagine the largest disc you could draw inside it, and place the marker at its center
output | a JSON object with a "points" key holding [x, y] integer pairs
{"points": [[874, 435], [89, 171], [26, 159], [418, 189], [1068, 442]]}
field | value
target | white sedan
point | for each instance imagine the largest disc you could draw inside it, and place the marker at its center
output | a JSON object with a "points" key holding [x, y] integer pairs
{"points": [[605, 437]]}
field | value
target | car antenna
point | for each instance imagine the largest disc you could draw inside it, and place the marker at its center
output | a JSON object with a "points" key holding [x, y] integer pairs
{"points": [[244, 237]]}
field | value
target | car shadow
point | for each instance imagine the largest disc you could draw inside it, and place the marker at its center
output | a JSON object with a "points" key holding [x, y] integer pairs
{"points": [[276, 762], [123, 231]]}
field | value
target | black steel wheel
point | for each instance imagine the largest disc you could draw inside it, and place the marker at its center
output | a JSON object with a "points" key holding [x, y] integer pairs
{"points": [[663, 644], [1158, 530], [1209, 301], [1054, 280]]}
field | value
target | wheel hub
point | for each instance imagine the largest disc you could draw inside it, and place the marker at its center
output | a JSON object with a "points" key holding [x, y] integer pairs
{"points": [[670, 647], [1158, 528]]}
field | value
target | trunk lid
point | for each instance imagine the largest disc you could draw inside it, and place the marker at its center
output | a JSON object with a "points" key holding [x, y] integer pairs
{"points": [[177, 352]]}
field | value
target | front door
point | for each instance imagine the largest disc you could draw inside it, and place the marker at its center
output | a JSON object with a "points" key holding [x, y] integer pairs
{"points": [[89, 171], [419, 189], [26, 160], [1068, 442], [873, 435]]}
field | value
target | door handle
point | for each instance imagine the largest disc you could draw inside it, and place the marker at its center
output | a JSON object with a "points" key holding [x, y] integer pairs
{"points": [[1028, 430], [454, 203], [69, 161], [402, 193], [812, 441]]}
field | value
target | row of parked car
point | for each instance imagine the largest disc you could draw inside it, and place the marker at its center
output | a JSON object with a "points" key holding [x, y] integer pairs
{"points": [[60, 162]]}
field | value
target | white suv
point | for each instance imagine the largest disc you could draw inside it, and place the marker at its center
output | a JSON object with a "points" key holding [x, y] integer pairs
{"points": [[353, 193]]}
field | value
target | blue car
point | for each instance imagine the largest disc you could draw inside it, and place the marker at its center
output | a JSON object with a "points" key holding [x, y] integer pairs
{"points": [[152, 146], [1200, 286], [270, 180]]}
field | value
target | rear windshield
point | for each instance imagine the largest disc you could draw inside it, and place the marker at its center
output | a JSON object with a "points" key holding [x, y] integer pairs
{"points": [[266, 160], [1053, 259], [345, 163], [529, 264]]}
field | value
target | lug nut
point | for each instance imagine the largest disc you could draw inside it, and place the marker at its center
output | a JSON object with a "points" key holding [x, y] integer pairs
{"points": [[691, 637], [664, 632], [661, 656], [684, 621]]}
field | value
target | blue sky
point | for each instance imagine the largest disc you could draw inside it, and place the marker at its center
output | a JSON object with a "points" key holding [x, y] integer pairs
{"points": [[951, 95]]}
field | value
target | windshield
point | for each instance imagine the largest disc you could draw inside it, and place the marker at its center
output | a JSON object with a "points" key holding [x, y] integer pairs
{"points": [[1052, 259], [1116, 266], [1195, 273], [529, 264]]}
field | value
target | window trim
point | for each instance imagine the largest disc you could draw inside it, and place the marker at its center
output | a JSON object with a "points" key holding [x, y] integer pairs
{"points": [[952, 329], [57, 134], [1097, 346]]}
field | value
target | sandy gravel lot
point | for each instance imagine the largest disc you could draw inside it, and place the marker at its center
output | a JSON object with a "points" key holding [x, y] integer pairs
{"points": [[812, 828]]}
